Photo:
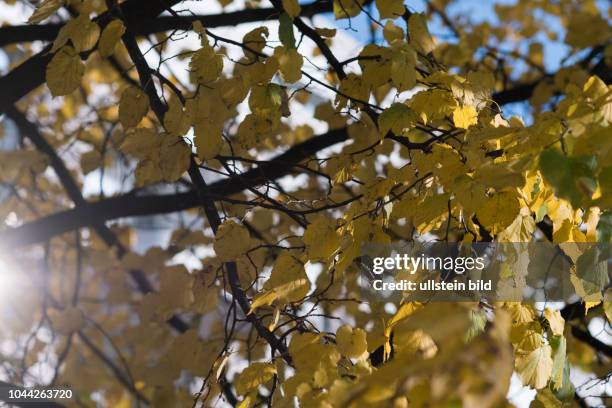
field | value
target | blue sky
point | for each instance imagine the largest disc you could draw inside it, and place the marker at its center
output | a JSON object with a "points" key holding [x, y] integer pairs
{"points": [[478, 11]]}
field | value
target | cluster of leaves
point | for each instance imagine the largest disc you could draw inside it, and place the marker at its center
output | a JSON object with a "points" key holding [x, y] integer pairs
{"points": [[254, 299]]}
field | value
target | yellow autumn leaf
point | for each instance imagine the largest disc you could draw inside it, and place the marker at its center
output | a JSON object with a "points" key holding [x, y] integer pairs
{"points": [[207, 145], [419, 34], [286, 270], [468, 193], [314, 190], [443, 322], [304, 346], [592, 217], [45, 9], [266, 100], [249, 400], [347, 8], [90, 161], [431, 212], [396, 119], [390, 8], [351, 342], [64, 71], [586, 29], [147, 172], [326, 32], [141, 143], [465, 116], [80, 31], [327, 113], [255, 41], [176, 286], [321, 238], [205, 296], [499, 177], [535, 368], [290, 62], [177, 120], [208, 111], [189, 351], [174, 157], [266, 298], [374, 61], [521, 229], [353, 91], [520, 313], [233, 91], [110, 37], [405, 310], [432, 104], [498, 211], [555, 320], [253, 376], [275, 318], [231, 240], [133, 106], [68, 320], [292, 7], [302, 340], [206, 65], [392, 32], [288, 282], [403, 71]]}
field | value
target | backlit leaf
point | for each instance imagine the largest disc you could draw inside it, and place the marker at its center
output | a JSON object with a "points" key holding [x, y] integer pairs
{"points": [[292, 7], [253, 376], [535, 368], [390, 8], [465, 116], [231, 240], [133, 106], [419, 34], [351, 342], [45, 9], [110, 37], [64, 72]]}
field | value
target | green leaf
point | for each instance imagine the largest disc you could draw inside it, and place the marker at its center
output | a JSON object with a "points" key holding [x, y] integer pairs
{"points": [[573, 178], [604, 228], [566, 392], [592, 270], [559, 347], [396, 118], [478, 321], [605, 185], [285, 31]]}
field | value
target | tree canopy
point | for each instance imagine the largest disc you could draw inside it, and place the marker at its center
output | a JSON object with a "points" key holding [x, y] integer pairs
{"points": [[187, 188]]}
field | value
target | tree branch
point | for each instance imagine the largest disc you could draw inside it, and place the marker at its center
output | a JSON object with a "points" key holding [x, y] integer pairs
{"points": [[586, 337], [29, 130], [524, 91], [317, 39], [207, 203], [30, 74], [129, 205], [48, 32], [121, 377]]}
